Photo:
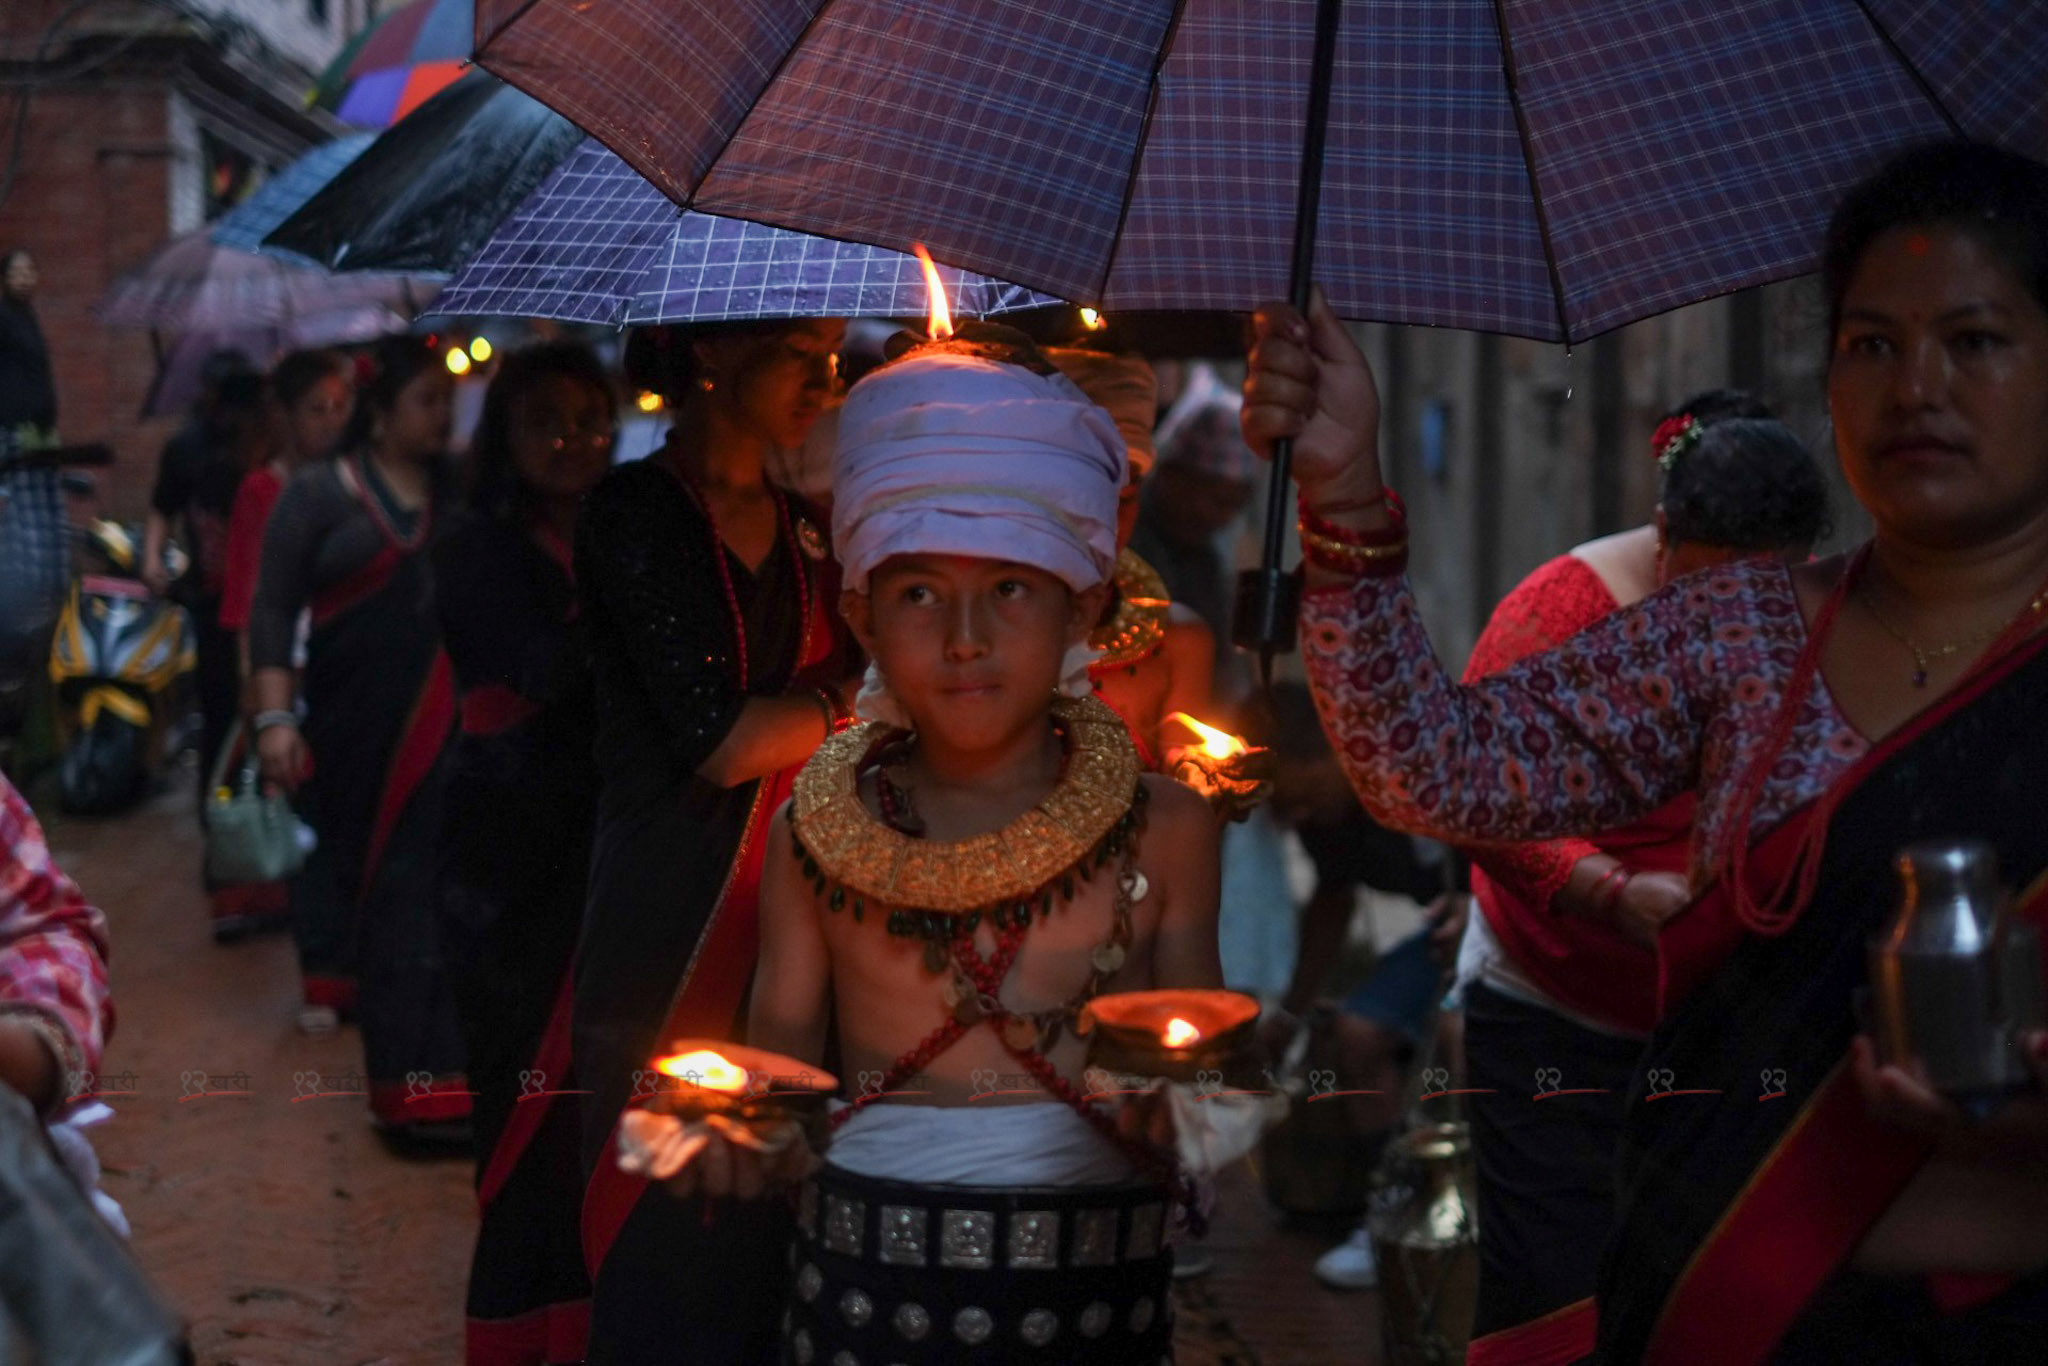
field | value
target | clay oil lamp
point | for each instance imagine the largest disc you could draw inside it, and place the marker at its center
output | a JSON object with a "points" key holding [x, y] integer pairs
{"points": [[1201, 1037], [1234, 776], [754, 1098]]}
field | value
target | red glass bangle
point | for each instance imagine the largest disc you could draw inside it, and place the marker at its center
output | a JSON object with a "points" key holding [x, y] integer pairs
{"points": [[1395, 531], [1603, 899]]}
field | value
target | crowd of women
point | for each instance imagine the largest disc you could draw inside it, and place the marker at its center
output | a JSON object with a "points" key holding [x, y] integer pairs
{"points": [[539, 711]]}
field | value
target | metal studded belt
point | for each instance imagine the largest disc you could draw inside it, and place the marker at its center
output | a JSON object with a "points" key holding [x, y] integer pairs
{"points": [[889, 1272], [968, 1228]]}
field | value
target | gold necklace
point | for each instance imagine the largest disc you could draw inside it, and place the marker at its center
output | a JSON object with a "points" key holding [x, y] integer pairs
{"points": [[850, 855], [1923, 655], [1138, 626]]}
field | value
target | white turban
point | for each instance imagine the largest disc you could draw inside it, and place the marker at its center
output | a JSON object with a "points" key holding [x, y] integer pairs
{"points": [[957, 455]]}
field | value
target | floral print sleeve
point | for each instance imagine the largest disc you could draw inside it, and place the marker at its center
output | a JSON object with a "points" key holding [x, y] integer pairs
{"points": [[1579, 739]]}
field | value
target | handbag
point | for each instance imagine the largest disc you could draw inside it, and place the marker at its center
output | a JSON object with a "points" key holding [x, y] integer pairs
{"points": [[251, 835]]}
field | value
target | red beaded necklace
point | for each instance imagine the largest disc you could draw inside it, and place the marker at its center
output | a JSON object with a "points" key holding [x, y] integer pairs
{"points": [[721, 559], [1775, 912]]}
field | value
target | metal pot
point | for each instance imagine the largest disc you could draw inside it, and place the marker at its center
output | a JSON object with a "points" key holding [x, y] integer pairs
{"points": [[1424, 1226], [1955, 979]]}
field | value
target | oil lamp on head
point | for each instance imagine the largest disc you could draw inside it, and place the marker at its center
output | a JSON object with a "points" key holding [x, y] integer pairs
{"points": [[1178, 1035], [1234, 776], [940, 323]]}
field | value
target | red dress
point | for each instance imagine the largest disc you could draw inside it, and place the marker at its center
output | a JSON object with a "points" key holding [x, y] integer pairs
{"points": [[1583, 966], [255, 498]]}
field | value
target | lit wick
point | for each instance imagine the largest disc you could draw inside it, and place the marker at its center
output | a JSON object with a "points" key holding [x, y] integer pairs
{"points": [[1220, 766], [706, 1068], [1180, 1034], [941, 322]]}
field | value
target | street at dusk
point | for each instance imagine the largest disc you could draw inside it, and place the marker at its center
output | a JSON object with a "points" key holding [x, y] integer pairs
{"points": [[1023, 682]]}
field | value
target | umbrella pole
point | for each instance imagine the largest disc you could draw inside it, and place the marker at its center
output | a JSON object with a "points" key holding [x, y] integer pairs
{"points": [[1268, 597]]}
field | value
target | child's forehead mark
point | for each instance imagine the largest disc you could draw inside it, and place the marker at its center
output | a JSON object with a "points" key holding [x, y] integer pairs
{"points": [[1919, 244]]}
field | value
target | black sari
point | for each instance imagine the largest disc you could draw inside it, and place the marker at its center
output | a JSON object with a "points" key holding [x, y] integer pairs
{"points": [[1750, 1170], [522, 798], [670, 933], [379, 711]]}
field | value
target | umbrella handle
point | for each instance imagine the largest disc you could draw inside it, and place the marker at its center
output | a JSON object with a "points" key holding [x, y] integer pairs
{"points": [[1268, 597]]}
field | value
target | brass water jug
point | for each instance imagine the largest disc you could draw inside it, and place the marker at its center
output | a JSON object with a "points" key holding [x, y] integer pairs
{"points": [[1424, 1226]]}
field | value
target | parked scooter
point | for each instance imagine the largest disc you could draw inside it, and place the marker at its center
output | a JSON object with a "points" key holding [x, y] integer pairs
{"points": [[122, 663]]}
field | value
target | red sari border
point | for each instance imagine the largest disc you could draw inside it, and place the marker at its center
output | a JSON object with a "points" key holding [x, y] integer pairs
{"points": [[1559, 1338], [358, 587], [548, 1336], [550, 1063], [419, 745], [705, 1005], [420, 1102]]}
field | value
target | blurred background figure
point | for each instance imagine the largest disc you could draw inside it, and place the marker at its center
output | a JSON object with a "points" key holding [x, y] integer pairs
{"points": [[349, 540], [522, 802], [312, 395], [1203, 482], [35, 548], [1156, 655], [28, 392], [197, 477], [1361, 1011]]}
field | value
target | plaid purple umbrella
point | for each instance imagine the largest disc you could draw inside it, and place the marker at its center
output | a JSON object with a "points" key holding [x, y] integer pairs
{"points": [[1546, 168], [598, 243]]}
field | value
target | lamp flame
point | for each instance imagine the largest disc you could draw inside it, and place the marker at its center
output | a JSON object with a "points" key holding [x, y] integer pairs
{"points": [[1093, 320], [941, 324], [1179, 1033], [1217, 744], [710, 1070]]}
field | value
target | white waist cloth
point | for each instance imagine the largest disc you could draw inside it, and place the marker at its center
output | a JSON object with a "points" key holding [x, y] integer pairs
{"points": [[1042, 1144]]}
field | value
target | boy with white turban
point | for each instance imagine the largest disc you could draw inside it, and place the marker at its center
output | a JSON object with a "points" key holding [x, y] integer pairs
{"points": [[955, 881]]}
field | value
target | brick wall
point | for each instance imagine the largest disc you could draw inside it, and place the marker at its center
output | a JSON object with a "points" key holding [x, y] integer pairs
{"points": [[90, 201]]}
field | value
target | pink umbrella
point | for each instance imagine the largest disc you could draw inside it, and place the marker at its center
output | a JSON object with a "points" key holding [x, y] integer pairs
{"points": [[179, 363], [196, 285]]}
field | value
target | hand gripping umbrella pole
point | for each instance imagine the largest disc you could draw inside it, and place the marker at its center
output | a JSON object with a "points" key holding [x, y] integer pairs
{"points": [[1268, 597]]}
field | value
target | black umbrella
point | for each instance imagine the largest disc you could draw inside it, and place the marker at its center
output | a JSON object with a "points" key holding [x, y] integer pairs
{"points": [[434, 186]]}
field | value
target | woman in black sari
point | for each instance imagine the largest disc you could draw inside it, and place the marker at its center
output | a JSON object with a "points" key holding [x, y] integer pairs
{"points": [[1783, 1199], [522, 798], [348, 540], [712, 610]]}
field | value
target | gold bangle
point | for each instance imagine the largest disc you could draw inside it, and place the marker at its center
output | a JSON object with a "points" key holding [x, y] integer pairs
{"points": [[1358, 566], [1331, 548]]}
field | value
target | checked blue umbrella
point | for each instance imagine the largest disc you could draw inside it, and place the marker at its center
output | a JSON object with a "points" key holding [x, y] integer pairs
{"points": [[598, 243]]}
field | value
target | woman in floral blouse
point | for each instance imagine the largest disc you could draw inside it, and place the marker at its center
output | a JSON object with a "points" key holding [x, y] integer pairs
{"points": [[1783, 1198]]}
